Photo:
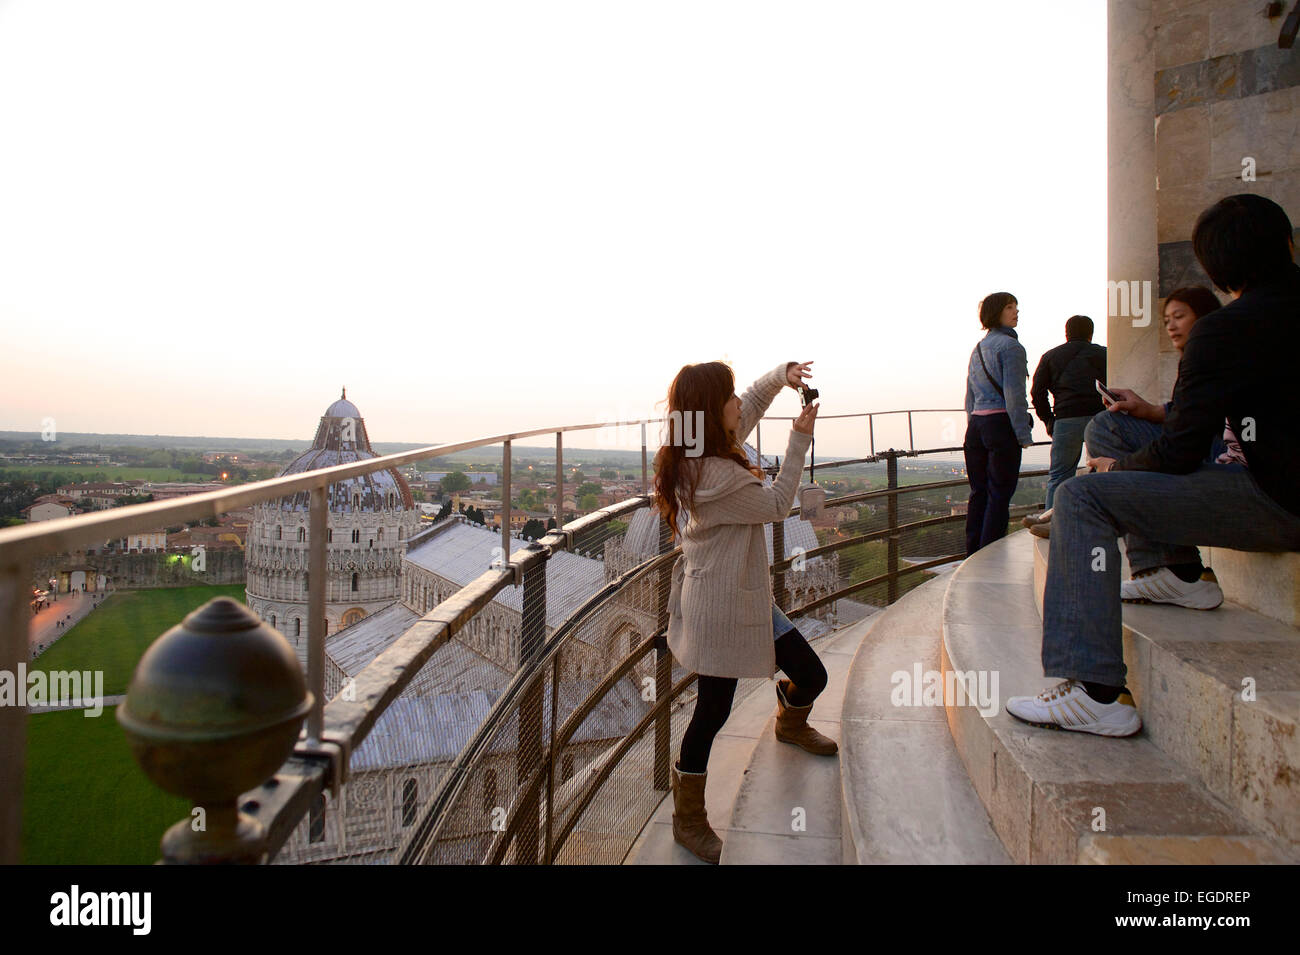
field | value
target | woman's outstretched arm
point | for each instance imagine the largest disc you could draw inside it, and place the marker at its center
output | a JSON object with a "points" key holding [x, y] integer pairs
{"points": [[759, 396]]}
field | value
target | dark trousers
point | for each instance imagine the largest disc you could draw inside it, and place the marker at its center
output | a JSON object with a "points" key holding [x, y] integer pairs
{"points": [[794, 657], [993, 468]]}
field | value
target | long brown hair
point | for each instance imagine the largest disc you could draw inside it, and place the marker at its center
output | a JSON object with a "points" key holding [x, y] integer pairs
{"points": [[705, 387]]}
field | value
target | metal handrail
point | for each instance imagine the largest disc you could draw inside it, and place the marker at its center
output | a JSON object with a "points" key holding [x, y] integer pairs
{"points": [[333, 730]]}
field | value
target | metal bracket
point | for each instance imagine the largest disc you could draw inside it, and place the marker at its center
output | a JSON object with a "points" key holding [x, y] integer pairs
{"points": [[333, 747]]}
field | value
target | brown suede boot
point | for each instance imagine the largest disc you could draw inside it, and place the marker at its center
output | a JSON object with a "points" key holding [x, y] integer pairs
{"points": [[691, 826], [792, 725]]}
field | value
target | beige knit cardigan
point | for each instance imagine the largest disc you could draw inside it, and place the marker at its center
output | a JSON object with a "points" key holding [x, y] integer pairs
{"points": [[720, 605]]}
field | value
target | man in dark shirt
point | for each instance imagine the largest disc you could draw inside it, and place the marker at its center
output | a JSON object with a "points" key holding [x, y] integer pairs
{"points": [[1235, 365], [1070, 372]]}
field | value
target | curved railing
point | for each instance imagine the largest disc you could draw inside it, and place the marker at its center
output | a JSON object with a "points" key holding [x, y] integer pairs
{"points": [[562, 791]]}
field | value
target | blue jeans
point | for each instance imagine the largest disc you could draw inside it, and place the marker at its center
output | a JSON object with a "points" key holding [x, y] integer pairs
{"points": [[780, 623], [1216, 505], [1067, 443]]}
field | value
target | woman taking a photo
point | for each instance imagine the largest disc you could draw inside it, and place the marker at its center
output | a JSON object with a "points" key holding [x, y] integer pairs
{"points": [[721, 615], [998, 426]]}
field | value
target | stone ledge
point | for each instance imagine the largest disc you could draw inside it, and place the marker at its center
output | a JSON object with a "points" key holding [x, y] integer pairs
{"points": [[1265, 583], [1188, 671], [1043, 789], [906, 796]]}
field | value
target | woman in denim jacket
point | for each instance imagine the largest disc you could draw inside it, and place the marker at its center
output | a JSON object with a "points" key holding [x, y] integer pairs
{"points": [[998, 425]]}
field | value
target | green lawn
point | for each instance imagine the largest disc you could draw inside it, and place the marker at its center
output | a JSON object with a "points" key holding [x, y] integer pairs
{"points": [[115, 636], [85, 800]]}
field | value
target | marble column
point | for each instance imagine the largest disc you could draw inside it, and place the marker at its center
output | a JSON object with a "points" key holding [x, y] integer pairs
{"points": [[1132, 254]]}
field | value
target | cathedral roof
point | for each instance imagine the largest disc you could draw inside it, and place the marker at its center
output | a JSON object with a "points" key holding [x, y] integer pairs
{"points": [[462, 553]]}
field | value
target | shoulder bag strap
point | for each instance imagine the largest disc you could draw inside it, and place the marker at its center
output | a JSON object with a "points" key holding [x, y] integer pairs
{"points": [[980, 351]]}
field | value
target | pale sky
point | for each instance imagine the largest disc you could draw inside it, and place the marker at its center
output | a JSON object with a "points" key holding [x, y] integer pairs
{"points": [[485, 217]]}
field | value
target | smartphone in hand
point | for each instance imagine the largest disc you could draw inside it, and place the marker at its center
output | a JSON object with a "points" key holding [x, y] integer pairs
{"points": [[1108, 397]]}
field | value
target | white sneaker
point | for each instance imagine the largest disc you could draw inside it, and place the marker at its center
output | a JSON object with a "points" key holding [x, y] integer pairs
{"points": [[1164, 587], [1068, 706]]}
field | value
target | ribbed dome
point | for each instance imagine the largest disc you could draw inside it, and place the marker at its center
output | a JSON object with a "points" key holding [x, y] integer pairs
{"points": [[342, 409], [341, 438]]}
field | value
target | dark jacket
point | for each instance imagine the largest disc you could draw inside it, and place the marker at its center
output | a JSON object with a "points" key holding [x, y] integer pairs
{"points": [[1238, 363], [1070, 373]]}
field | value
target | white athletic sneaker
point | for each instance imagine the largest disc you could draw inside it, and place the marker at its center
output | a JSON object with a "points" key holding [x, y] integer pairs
{"points": [[1068, 706], [1164, 587]]}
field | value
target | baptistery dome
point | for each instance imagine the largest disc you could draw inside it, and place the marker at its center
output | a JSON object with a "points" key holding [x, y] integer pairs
{"points": [[369, 522]]}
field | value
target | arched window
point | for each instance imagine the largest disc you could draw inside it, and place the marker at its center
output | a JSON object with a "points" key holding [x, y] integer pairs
{"points": [[410, 790], [279, 532], [356, 537], [355, 580], [297, 626], [272, 621], [302, 534], [329, 536], [317, 831]]}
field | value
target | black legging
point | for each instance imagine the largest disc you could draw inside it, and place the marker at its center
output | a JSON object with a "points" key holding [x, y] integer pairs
{"points": [[794, 657]]}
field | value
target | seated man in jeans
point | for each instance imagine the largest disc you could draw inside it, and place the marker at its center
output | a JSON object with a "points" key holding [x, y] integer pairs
{"points": [[1236, 364]]}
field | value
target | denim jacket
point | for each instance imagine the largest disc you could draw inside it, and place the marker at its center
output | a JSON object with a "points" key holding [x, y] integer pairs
{"points": [[1008, 364]]}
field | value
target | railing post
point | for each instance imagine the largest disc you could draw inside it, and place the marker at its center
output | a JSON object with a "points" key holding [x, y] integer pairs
{"points": [[778, 553], [505, 502], [644, 469], [549, 856], [559, 479], [911, 442], [871, 430], [316, 611], [891, 472], [15, 618], [663, 668], [528, 754]]}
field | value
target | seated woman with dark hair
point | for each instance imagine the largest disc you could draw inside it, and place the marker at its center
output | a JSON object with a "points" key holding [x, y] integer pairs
{"points": [[1161, 574]]}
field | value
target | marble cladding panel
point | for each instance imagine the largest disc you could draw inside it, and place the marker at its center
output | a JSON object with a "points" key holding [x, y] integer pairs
{"points": [[1179, 206], [1180, 41], [1228, 26], [1193, 84], [1237, 26], [1178, 267], [1263, 127], [1183, 147], [1231, 76]]}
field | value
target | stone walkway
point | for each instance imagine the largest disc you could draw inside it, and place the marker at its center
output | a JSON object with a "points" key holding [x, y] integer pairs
{"points": [[69, 608]]}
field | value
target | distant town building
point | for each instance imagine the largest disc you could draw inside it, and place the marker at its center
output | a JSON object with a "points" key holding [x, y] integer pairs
{"points": [[49, 507]]}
